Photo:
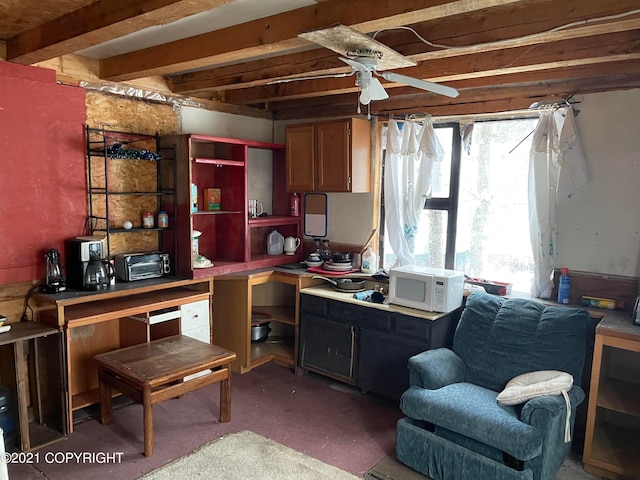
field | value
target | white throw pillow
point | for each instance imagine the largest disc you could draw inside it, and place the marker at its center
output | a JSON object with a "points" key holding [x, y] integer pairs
{"points": [[533, 384]]}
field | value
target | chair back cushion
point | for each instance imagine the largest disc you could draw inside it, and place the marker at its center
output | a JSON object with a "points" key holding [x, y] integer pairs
{"points": [[499, 338]]}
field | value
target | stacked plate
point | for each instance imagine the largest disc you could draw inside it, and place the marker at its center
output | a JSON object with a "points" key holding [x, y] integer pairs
{"points": [[337, 267]]}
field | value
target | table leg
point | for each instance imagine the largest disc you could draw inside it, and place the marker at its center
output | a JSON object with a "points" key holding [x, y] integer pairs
{"points": [[105, 399], [225, 396], [148, 422]]}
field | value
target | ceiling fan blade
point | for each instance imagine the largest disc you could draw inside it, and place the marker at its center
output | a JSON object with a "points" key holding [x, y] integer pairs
{"points": [[422, 84], [376, 90]]}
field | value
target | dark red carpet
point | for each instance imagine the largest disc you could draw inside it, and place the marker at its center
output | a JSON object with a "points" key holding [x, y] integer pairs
{"points": [[322, 418]]}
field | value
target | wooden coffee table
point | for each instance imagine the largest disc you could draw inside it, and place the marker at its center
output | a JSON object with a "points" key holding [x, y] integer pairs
{"points": [[152, 372]]}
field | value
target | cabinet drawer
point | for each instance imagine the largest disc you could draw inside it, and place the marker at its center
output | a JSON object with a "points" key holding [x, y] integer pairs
{"points": [[361, 316], [412, 327], [313, 304], [195, 315]]}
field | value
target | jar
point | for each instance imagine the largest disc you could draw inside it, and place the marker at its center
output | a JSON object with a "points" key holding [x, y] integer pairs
{"points": [[163, 219], [147, 220]]}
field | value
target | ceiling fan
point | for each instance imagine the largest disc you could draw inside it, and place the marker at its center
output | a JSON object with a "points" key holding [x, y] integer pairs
{"points": [[367, 58]]}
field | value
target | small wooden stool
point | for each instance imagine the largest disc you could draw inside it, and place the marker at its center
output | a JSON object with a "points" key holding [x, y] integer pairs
{"points": [[152, 372]]}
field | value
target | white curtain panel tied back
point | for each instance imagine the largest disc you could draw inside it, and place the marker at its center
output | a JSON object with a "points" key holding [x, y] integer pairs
{"points": [[557, 166], [411, 150]]}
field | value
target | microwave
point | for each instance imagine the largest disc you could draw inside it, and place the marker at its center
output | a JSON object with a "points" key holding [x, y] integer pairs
{"points": [[426, 288], [141, 266]]}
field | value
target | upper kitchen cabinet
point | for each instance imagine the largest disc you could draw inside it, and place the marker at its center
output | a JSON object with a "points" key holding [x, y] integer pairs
{"points": [[329, 156], [215, 234]]}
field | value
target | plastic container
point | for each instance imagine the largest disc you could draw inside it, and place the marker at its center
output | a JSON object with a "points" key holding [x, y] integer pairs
{"points": [[369, 261], [147, 220], [275, 243], [564, 284], [163, 219]]}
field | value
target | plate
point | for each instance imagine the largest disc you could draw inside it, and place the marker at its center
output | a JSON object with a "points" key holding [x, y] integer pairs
{"points": [[337, 267]]}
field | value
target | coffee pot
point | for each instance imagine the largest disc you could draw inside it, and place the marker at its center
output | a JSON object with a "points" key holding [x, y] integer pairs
{"points": [[98, 274], [53, 280]]}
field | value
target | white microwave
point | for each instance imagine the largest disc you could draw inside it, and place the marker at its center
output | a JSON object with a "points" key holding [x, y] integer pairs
{"points": [[426, 288]]}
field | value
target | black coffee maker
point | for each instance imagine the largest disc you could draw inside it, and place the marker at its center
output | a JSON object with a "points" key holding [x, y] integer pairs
{"points": [[80, 253], [53, 279]]}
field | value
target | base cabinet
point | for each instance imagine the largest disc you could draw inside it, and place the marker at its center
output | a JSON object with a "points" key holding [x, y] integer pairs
{"points": [[364, 346], [332, 350]]}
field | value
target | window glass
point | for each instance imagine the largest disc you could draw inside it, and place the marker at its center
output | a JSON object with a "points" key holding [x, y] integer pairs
{"points": [[492, 239], [492, 224]]}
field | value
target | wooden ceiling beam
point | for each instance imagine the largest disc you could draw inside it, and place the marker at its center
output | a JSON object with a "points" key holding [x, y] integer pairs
{"points": [[527, 85], [485, 100], [97, 23], [278, 33], [590, 51], [324, 62]]}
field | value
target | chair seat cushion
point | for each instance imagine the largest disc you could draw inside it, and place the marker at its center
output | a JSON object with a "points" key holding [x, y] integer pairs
{"points": [[473, 411]]}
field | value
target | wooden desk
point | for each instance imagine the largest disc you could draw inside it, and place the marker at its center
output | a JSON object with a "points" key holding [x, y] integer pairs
{"points": [[153, 372], [613, 421], [98, 322]]}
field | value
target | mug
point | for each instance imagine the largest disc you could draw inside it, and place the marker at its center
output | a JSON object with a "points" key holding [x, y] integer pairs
{"points": [[291, 244], [255, 208]]}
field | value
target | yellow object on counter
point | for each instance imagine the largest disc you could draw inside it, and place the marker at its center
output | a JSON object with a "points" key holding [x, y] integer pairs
{"points": [[598, 302]]}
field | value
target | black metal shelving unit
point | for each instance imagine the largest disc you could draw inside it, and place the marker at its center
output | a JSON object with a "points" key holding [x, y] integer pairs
{"points": [[114, 145]]}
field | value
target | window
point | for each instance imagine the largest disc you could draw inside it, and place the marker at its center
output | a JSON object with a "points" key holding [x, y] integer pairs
{"points": [[477, 220]]}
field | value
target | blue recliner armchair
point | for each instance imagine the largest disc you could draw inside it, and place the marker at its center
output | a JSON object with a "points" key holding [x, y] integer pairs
{"points": [[455, 429]]}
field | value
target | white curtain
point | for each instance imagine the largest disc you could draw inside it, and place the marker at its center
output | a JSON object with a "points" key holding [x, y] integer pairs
{"points": [[411, 150], [557, 167]]}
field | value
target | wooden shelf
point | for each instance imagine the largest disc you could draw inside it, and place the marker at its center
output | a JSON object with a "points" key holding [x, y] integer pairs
{"points": [[619, 396], [273, 221], [279, 313], [220, 161], [274, 348], [216, 212]]}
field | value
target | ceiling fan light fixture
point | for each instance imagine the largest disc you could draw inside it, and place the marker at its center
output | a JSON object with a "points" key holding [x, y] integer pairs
{"points": [[365, 96]]}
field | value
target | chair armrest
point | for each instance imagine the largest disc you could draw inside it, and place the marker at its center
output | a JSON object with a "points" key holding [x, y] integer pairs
{"points": [[436, 368], [554, 404]]}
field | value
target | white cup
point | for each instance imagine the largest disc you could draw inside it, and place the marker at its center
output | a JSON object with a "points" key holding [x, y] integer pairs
{"points": [[291, 244], [255, 208]]}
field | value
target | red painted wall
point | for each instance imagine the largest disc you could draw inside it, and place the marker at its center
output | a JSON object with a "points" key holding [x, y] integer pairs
{"points": [[43, 186]]}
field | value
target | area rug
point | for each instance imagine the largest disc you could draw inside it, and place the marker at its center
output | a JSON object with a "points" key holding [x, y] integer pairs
{"points": [[247, 456], [391, 469]]}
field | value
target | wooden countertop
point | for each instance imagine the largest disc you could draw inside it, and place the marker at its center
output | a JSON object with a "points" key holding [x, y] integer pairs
{"points": [[327, 291], [73, 297]]}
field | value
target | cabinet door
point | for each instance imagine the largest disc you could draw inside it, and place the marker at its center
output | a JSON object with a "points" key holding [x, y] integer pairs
{"points": [[333, 148], [328, 347], [195, 320], [300, 143], [383, 362]]}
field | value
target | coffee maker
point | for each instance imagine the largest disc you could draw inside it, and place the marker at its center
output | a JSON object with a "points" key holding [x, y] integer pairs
{"points": [[80, 251]]}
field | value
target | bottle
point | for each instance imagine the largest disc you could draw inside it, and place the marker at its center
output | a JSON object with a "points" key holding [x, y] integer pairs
{"points": [[563, 286], [275, 243], [369, 261], [163, 219], [295, 205]]}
